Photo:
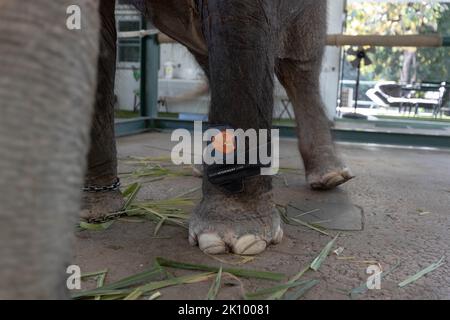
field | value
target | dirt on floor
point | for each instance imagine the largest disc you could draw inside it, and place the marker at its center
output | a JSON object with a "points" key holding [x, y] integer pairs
{"points": [[404, 194]]}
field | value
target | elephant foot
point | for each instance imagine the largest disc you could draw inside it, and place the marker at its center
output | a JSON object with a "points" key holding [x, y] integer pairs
{"points": [[326, 171], [329, 179], [97, 205], [236, 224]]}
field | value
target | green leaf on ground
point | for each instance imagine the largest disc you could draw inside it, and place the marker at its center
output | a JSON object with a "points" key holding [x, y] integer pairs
{"points": [[130, 193], [279, 294], [245, 273], [299, 292], [363, 287], [125, 282], [134, 295], [93, 274], [315, 265], [273, 290], [121, 292], [421, 273], [214, 290]]}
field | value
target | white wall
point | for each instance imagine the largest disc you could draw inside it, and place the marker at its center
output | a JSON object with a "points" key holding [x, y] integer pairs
{"points": [[179, 55], [331, 63], [125, 84]]}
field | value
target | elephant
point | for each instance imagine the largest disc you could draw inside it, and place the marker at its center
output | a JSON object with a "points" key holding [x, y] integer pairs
{"points": [[56, 83]]}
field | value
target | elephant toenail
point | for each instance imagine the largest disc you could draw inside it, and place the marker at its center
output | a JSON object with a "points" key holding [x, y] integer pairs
{"points": [[249, 245], [211, 243], [193, 239], [278, 236]]}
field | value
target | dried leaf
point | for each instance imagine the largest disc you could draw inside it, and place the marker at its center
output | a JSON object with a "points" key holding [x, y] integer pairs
{"points": [[96, 226], [155, 296]]}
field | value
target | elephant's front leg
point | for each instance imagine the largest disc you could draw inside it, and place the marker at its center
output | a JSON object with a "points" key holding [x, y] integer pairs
{"points": [[102, 157], [241, 63]]}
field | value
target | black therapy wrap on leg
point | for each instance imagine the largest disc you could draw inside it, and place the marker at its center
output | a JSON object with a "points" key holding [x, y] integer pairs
{"points": [[229, 177]]}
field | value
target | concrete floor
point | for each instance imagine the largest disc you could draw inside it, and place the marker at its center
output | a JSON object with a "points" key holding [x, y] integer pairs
{"points": [[394, 187]]}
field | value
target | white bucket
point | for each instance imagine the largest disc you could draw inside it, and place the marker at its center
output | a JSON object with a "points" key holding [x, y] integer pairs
{"points": [[168, 70]]}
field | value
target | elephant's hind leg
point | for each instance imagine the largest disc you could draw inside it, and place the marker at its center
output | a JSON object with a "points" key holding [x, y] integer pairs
{"points": [[298, 70], [324, 169]]}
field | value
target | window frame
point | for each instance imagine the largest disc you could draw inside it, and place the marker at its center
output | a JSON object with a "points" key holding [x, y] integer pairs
{"points": [[136, 18]]}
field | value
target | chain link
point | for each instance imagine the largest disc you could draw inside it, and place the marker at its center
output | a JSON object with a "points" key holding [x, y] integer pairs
{"points": [[108, 217], [111, 187]]}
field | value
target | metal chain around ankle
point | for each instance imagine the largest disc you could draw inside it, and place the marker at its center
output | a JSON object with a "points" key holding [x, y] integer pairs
{"points": [[111, 187], [108, 217]]}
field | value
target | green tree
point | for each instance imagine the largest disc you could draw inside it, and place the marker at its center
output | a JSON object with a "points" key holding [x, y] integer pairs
{"points": [[388, 18]]}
